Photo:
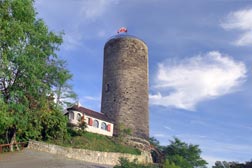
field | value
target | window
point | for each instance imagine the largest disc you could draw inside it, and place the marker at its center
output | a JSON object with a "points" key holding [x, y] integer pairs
{"points": [[96, 124], [103, 126], [79, 117], [107, 88], [71, 115]]}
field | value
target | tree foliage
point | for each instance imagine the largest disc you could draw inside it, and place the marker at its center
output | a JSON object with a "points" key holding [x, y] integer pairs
{"points": [[178, 154], [30, 75], [153, 141], [168, 164], [184, 155], [62, 89], [225, 164]]}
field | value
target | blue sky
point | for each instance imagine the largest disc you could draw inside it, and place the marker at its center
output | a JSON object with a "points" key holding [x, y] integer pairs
{"points": [[200, 59]]}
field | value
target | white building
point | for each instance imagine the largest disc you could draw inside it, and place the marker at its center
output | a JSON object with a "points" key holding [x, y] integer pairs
{"points": [[96, 122]]}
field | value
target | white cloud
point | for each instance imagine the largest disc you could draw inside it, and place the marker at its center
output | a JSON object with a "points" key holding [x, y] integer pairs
{"points": [[159, 135], [72, 40], [91, 102], [168, 128], [91, 9], [75, 16], [183, 85], [245, 39], [101, 33], [92, 98], [240, 20]]}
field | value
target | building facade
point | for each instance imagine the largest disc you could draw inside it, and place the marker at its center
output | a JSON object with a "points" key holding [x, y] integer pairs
{"points": [[96, 122]]}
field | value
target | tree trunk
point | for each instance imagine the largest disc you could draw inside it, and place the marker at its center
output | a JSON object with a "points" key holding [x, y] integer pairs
{"points": [[13, 140], [7, 136]]}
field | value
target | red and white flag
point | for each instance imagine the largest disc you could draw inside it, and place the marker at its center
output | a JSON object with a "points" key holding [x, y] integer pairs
{"points": [[122, 30]]}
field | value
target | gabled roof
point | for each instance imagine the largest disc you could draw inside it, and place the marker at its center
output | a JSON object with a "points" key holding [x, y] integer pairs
{"points": [[89, 112]]}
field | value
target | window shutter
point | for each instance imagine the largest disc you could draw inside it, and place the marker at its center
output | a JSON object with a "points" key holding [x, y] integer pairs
{"points": [[109, 127], [90, 122]]}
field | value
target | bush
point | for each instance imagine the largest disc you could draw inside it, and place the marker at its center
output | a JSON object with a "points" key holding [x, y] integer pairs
{"points": [[125, 163], [54, 126], [74, 131], [168, 164]]}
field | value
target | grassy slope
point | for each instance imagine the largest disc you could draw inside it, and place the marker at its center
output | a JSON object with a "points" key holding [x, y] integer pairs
{"points": [[97, 143]]}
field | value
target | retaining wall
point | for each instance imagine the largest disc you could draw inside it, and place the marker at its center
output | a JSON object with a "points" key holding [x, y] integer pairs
{"points": [[108, 158]]}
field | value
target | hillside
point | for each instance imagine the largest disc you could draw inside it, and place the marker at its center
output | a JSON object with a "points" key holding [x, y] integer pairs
{"points": [[97, 143]]}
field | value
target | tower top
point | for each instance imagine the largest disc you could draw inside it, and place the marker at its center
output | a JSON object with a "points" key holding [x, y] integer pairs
{"points": [[123, 33], [124, 36]]}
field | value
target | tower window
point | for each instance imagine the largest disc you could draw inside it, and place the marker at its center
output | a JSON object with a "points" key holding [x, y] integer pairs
{"points": [[107, 88]]}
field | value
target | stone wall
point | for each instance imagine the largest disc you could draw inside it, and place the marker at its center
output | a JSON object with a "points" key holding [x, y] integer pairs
{"points": [[136, 142], [125, 84], [107, 158]]}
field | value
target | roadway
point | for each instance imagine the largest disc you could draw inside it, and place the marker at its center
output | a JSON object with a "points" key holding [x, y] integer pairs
{"points": [[29, 158]]}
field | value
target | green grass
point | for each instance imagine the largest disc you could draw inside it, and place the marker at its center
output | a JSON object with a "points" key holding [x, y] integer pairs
{"points": [[97, 143]]}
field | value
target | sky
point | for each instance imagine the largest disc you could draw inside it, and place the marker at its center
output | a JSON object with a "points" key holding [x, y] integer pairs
{"points": [[200, 64]]}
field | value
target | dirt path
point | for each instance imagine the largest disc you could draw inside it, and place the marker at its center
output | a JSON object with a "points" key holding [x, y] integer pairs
{"points": [[28, 158]]}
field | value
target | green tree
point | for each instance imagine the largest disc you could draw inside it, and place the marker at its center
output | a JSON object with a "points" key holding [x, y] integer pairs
{"points": [[5, 121], [30, 72], [63, 91], [168, 164], [220, 164], [225, 164], [153, 141], [184, 155]]}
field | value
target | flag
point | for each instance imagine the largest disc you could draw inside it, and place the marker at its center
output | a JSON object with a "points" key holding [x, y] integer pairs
{"points": [[122, 30]]}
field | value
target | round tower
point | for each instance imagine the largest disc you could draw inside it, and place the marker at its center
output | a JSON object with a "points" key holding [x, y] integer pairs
{"points": [[125, 84]]}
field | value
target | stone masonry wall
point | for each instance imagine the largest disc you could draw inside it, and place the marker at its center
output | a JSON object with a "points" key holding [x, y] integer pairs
{"points": [[107, 158], [125, 85]]}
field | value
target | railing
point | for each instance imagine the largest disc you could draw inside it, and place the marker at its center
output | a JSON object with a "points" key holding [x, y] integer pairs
{"points": [[6, 147]]}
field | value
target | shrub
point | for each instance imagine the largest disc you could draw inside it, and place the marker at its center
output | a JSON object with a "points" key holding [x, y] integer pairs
{"points": [[125, 163]]}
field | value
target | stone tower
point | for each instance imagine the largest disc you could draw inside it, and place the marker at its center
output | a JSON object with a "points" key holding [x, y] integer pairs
{"points": [[125, 84]]}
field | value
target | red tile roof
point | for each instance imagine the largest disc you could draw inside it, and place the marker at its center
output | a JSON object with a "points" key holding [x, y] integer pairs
{"points": [[90, 113]]}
